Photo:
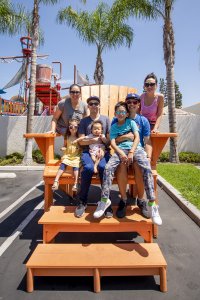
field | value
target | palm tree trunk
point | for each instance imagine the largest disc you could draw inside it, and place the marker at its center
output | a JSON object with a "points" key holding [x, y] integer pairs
{"points": [[172, 114], [169, 55], [98, 74], [31, 101]]}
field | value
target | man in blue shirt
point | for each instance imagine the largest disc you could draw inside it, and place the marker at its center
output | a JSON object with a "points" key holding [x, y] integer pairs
{"points": [[86, 160]]}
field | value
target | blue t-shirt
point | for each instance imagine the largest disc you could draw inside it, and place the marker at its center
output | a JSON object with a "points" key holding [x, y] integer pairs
{"points": [[143, 127], [118, 130]]}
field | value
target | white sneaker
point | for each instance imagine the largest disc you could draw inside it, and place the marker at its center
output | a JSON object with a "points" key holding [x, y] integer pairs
{"points": [[153, 213], [101, 207], [75, 187]]}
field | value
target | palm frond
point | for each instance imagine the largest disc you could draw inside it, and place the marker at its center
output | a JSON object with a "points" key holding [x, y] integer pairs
{"points": [[11, 18], [100, 27], [47, 2], [137, 8]]}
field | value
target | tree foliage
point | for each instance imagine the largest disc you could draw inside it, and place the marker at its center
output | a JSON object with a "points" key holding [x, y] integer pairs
{"points": [[100, 27], [11, 17], [178, 94], [163, 90]]}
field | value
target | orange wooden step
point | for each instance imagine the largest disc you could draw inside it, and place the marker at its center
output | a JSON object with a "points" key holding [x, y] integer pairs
{"points": [[62, 219], [97, 260]]}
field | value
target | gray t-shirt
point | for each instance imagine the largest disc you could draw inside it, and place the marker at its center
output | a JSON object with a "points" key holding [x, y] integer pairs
{"points": [[85, 126], [69, 113]]}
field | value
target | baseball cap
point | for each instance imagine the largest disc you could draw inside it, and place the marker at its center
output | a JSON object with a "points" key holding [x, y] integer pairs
{"points": [[93, 98], [133, 96]]}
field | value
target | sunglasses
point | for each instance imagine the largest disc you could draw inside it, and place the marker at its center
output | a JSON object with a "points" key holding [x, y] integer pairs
{"points": [[149, 84], [121, 112], [73, 126], [93, 103], [132, 102], [74, 92]]}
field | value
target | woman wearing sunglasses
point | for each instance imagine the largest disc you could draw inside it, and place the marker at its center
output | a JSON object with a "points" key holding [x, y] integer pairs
{"points": [[71, 107], [152, 103]]}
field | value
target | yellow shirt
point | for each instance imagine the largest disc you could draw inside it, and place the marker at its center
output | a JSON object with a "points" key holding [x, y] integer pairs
{"points": [[72, 153]]}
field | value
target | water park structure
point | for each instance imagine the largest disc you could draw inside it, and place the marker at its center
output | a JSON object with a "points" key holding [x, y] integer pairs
{"points": [[47, 89]]}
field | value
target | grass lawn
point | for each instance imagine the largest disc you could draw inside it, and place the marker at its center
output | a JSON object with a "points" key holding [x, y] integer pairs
{"points": [[185, 178]]}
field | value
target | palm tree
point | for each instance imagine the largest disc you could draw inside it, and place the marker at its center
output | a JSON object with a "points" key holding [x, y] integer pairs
{"points": [[163, 9], [101, 28], [11, 18], [31, 101]]}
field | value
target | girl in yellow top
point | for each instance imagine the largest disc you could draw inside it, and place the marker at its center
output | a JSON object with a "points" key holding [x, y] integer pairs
{"points": [[71, 157]]}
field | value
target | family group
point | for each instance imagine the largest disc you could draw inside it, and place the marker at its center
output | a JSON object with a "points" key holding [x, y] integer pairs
{"points": [[88, 136]]}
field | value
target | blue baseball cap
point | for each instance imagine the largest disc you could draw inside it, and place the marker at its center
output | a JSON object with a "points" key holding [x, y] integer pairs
{"points": [[133, 96]]}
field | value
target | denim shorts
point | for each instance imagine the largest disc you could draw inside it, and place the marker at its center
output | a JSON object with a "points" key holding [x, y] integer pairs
{"points": [[64, 166]]}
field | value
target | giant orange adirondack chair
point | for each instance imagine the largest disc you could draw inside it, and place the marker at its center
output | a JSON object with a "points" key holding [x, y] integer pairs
{"points": [[96, 259]]}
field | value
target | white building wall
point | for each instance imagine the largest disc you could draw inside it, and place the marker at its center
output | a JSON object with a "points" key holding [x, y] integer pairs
{"points": [[188, 128], [12, 129]]}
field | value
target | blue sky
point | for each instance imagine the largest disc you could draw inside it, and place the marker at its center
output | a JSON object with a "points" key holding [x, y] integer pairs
{"points": [[123, 66]]}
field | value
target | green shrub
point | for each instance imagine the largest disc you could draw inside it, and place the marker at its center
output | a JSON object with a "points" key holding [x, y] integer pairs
{"points": [[37, 156], [57, 156], [16, 158], [164, 157], [187, 157], [11, 159]]}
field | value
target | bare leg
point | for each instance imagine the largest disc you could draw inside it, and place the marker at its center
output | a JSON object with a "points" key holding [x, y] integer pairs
{"points": [[101, 153], [76, 173], [75, 186], [56, 181], [121, 174], [96, 165], [94, 158], [97, 159]]}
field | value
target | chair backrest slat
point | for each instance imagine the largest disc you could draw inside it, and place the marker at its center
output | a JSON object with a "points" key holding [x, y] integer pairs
{"points": [[109, 96], [105, 99]]}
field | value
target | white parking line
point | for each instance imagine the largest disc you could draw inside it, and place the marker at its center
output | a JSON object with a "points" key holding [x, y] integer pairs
{"points": [[19, 229], [7, 175], [9, 208]]}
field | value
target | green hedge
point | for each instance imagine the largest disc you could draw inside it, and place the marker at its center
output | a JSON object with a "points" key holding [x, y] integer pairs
{"points": [[38, 158], [16, 158], [188, 157], [11, 159]]}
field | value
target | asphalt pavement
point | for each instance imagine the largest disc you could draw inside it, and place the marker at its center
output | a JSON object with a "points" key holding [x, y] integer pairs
{"points": [[21, 200]]}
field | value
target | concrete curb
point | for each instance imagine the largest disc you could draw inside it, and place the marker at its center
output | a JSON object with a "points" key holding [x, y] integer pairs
{"points": [[185, 205], [22, 168]]}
